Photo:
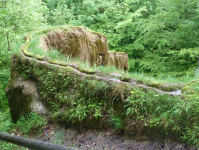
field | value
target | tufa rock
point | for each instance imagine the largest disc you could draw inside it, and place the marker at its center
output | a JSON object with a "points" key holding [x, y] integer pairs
{"points": [[23, 97], [119, 60], [84, 44], [78, 42]]}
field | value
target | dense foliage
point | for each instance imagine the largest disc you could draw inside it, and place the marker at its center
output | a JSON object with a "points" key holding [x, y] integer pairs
{"points": [[160, 36]]}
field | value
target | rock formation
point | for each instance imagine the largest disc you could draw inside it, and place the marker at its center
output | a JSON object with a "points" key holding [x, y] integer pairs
{"points": [[86, 45], [119, 60], [23, 97], [78, 42], [68, 92]]}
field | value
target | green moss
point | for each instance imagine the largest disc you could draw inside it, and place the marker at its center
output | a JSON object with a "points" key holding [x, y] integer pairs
{"points": [[87, 71], [28, 37], [68, 69], [57, 62], [191, 89], [154, 84], [53, 61], [117, 52], [39, 57], [100, 34], [29, 54], [62, 63], [125, 78]]}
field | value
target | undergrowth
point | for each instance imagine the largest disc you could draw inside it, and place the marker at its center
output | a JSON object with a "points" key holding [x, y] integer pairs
{"points": [[54, 54], [89, 100], [80, 100], [170, 114], [30, 122]]}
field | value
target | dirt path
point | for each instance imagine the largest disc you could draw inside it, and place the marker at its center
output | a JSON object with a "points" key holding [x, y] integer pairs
{"points": [[105, 140]]}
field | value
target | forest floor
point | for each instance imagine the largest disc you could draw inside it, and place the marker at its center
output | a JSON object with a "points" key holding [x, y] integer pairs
{"points": [[105, 140]]}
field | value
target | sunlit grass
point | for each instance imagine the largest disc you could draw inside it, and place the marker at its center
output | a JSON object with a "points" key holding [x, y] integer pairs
{"points": [[140, 76]]}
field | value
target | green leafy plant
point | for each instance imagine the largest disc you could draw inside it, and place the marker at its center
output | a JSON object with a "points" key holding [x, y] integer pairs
{"points": [[79, 112], [117, 122], [30, 122]]}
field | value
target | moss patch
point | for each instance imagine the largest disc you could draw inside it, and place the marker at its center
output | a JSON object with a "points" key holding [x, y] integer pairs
{"points": [[87, 71], [125, 78]]}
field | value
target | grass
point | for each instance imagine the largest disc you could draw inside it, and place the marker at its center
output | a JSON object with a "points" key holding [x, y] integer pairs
{"points": [[170, 114], [105, 70], [142, 109]]}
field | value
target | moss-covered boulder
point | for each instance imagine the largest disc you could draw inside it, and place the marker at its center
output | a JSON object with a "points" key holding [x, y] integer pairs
{"points": [[74, 94], [23, 97]]}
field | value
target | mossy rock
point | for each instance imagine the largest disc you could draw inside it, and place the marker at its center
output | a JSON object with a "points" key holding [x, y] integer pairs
{"points": [[192, 82], [57, 62], [39, 57], [68, 69], [53, 61], [62, 63], [23, 97], [27, 53], [87, 71], [125, 78], [117, 52], [154, 84], [26, 46], [191, 89]]}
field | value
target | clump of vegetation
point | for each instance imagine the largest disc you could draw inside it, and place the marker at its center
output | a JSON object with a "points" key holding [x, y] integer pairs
{"points": [[160, 40], [30, 122], [170, 114]]}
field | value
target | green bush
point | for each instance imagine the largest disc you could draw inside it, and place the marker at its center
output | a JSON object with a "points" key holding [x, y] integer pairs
{"points": [[170, 114], [30, 122]]}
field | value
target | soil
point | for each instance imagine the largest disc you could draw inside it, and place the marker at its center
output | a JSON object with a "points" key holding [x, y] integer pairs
{"points": [[105, 140]]}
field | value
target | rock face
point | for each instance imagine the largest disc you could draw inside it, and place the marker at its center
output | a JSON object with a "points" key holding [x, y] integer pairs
{"points": [[32, 83], [84, 44], [79, 42], [119, 60], [23, 97]]}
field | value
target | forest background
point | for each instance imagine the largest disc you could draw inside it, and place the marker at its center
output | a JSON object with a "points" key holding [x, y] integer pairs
{"points": [[160, 36]]}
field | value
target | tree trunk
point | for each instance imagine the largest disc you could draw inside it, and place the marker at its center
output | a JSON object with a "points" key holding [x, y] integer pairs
{"points": [[7, 34]]}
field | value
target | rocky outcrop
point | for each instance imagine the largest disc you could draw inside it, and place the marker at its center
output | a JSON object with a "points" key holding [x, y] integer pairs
{"points": [[70, 93], [23, 97], [78, 42], [22, 94], [119, 60], [86, 45]]}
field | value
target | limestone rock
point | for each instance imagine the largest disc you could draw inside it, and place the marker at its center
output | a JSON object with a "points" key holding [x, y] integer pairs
{"points": [[119, 60], [84, 44], [78, 42], [23, 97]]}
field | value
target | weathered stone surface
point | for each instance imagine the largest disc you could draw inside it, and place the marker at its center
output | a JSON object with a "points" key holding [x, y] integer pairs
{"points": [[115, 74], [78, 42], [23, 97], [86, 45], [119, 60]]}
